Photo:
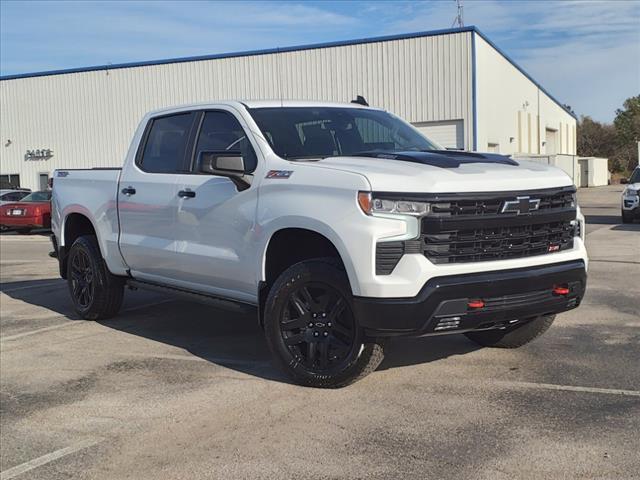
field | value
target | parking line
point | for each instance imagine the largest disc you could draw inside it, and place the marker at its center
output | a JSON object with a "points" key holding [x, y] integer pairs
{"points": [[572, 388], [48, 458], [57, 282], [39, 330], [67, 324]]}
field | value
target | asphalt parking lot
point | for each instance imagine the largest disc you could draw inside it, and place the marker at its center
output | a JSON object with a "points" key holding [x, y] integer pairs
{"points": [[183, 391]]}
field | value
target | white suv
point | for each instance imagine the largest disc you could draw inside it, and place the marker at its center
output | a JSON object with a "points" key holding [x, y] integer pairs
{"points": [[630, 201]]}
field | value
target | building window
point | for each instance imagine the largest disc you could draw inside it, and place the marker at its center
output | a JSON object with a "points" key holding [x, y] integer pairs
{"points": [[493, 147], [10, 181]]}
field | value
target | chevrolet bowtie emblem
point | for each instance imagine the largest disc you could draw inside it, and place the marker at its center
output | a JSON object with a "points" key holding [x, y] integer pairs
{"points": [[521, 205]]}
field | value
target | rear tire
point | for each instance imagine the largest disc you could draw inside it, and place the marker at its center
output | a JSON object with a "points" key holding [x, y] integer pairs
{"points": [[513, 337], [96, 293], [626, 217], [311, 329]]}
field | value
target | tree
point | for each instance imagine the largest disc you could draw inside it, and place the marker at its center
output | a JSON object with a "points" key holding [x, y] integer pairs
{"points": [[617, 141], [627, 125]]}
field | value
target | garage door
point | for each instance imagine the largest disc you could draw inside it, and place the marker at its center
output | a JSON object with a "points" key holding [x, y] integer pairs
{"points": [[449, 134]]}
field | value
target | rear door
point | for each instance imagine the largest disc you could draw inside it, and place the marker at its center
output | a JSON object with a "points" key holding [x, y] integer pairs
{"points": [[214, 220], [147, 197]]}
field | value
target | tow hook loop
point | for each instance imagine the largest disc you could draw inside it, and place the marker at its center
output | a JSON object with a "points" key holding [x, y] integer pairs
{"points": [[560, 290], [475, 303]]}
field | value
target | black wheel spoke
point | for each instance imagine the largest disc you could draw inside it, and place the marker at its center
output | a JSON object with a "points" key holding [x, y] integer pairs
{"points": [[306, 296], [298, 305], [324, 355], [294, 339], [300, 322], [311, 352]]}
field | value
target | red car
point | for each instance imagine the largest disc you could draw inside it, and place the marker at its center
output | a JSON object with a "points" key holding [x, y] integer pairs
{"points": [[33, 211]]}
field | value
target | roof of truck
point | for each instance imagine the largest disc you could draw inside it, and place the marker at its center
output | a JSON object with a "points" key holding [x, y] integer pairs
{"points": [[257, 104]]}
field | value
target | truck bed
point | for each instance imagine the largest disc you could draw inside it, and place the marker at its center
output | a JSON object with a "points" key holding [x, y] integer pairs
{"points": [[92, 192]]}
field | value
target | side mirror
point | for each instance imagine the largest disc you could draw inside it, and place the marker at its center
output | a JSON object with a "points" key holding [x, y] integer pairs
{"points": [[624, 181], [226, 164]]}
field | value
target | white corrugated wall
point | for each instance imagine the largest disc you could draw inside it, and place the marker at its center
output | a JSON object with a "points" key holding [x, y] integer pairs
{"points": [[88, 118]]}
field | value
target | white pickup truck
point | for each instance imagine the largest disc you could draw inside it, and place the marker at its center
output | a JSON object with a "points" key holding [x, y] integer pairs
{"points": [[339, 224]]}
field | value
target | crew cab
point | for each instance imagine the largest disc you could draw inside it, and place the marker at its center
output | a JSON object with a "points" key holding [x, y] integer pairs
{"points": [[340, 225]]}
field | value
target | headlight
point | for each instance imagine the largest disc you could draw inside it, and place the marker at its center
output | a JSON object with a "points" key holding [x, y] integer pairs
{"points": [[630, 192], [372, 205]]}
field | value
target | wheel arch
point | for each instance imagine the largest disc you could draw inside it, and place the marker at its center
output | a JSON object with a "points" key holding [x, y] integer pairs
{"points": [[290, 245], [75, 224]]}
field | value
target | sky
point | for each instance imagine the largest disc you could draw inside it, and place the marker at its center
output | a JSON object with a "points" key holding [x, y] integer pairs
{"points": [[586, 53]]}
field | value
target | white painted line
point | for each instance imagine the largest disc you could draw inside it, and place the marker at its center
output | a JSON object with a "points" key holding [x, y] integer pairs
{"points": [[22, 238], [48, 284], [48, 458], [20, 262], [571, 388], [77, 322], [39, 330]]}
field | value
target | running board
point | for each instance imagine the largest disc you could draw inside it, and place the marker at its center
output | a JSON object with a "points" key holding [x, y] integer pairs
{"points": [[218, 302]]}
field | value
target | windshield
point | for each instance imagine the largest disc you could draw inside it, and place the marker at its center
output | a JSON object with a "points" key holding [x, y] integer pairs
{"points": [[319, 132], [635, 176], [37, 197]]}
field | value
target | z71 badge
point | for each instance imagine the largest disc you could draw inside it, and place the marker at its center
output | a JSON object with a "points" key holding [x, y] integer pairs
{"points": [[283, 174]]}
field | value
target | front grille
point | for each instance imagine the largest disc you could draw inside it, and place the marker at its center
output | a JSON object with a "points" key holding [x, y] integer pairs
{"points": [[498, 243], [491, 204], [471, 228]]}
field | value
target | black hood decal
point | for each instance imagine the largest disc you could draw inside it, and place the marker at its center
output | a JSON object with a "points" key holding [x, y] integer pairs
{"points": [[440, 158]]}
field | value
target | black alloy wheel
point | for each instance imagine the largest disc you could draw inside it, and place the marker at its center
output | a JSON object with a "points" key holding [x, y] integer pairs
{"points": [[82, 279], [318, 327], [96, 293], [311, 328]]}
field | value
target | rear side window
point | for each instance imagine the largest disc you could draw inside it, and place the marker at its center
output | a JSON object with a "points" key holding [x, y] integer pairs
{"points": [[166, 145], [13, 196], [220, 132]]}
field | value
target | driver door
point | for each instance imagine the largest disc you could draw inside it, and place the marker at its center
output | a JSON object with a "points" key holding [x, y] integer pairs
{"points": [[214, 220]]}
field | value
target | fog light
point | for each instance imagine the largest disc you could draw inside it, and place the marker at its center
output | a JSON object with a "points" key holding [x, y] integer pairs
{"points": [[560, 290], [475, 303]]}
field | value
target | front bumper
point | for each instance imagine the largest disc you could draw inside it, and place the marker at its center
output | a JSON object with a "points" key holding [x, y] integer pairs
{"points": [[631, 205], [441, 306]]}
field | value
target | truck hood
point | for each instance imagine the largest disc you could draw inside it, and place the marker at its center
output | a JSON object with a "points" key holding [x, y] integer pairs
{"points": [[443, 172]]}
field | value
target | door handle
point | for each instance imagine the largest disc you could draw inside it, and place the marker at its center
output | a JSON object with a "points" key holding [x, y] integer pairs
{"points": [[129, 191], [186, 194]]}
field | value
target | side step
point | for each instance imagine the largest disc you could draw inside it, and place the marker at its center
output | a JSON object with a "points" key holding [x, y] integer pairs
{"points": [[218, 302]]}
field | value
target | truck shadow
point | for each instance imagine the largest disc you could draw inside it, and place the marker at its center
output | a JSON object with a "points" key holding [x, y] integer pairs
{"points": [[612, 220], [230, 339]]}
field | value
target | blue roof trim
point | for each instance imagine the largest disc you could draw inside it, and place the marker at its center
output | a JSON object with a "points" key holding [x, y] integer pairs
{"points": [[312, 46], [513, 62]]}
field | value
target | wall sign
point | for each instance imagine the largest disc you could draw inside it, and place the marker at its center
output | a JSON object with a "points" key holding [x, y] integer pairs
{"points": [[39, 154]]}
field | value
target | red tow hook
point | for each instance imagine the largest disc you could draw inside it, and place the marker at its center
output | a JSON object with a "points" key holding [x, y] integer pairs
{"points": [[475, 303], [560, 290]]}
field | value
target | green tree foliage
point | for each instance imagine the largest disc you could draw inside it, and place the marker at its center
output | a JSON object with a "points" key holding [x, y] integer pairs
{"points": [[617, 141]]}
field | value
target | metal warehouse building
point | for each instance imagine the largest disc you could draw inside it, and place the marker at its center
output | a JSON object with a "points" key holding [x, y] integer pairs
{"points": [[455, 85]]}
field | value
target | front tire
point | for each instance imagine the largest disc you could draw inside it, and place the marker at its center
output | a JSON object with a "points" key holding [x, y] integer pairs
{"points": [[311, 329], [626, 217], [96, 293], [513, 337]]}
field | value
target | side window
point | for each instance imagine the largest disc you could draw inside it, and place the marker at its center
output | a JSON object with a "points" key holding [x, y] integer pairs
{"points": [[166, 144], [221, 131]]}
